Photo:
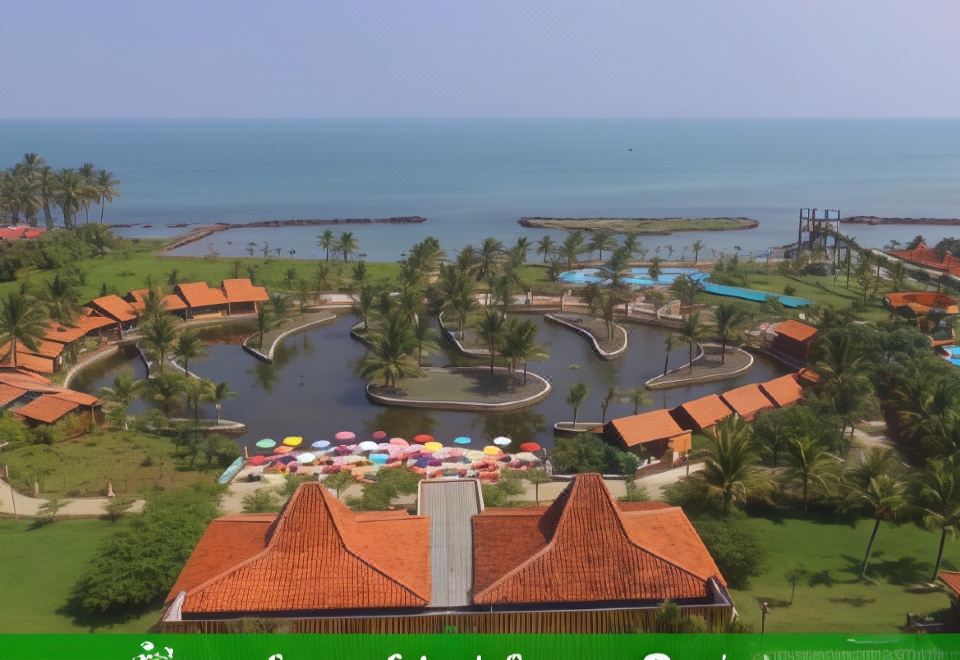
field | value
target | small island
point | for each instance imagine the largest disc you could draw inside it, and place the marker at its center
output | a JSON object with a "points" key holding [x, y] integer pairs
{"points": [[656, 226], [474, 389]]}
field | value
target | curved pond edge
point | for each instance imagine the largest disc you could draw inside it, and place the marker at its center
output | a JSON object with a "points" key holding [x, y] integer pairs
{"points": [[665, 381], [571, 430], [452, 336], [605, 355], [463, 406], [268, 356]]}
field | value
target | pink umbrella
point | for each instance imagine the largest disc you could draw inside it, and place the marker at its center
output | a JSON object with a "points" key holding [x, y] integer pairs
{"points": [[379, 435], [342, 450], [345, 436], [400, 442]]}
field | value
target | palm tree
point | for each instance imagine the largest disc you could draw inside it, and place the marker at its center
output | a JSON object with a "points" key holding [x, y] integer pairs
{"points": [[263, 322], [630, 244], [88, 176], [326, 241], [898, 275], [279, 311], [220, 393], [844, 380], [571, 247], [47, 190], [491, 251], [21, 322], [423, 335], [696, 247], [937, 498], [391, 351], [521, 248], [655, 269], [125, 390], [605, 403], [347, 244], [637, 397], [730, 464], [160, 336], [106, 189], [196, 390], [616, 267], [669, 342], [691, 331], [808, 463], [729, 317], [70, 195], [545, 246], [166, 389], [61, 299], [189, 346], [601, 240], [575, 396], [490, 331], [882, 499], [536, 477], [520, 344]]}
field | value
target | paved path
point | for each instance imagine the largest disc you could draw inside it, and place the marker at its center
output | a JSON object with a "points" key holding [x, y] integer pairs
{"points": [[86, 507]]}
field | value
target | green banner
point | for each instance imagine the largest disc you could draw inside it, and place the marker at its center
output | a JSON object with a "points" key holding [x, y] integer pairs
{"points": [[478, 647]]}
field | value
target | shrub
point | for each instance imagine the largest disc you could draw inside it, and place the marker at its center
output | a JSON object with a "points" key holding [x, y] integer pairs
{"points": [[734, 546], [588, 453], [789, 290], [261, 500]]}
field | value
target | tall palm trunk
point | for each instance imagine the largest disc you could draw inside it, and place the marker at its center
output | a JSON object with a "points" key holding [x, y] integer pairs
{"points": [[47, 215], [936, 566], [666, 362], [101, 211], [219, 406], [691, 357], [866, 556], [723, 350]]}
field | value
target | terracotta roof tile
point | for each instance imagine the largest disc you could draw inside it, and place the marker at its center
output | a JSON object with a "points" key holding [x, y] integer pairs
{"points": [[592, 551], [25, 379], [115, 307], [645, 427], [808, 376], [8, 394], [705, 411], [73, 396], [174, 303], [50, 349], [198, 294], [322, 556], [783, 391], [46, 408], [952, 580], [795, 330], [243, 290], [40, 364], [747, 400], [68, 334]]}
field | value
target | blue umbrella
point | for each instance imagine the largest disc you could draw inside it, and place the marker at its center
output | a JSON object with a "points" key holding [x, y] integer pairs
{"points": [[321, 444], [462, 440]]}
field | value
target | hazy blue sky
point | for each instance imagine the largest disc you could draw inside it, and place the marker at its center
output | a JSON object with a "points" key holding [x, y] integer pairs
{"points": [[483, 58]]}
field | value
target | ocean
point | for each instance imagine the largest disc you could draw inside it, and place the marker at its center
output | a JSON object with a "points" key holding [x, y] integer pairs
{"points": [[475, 178]]}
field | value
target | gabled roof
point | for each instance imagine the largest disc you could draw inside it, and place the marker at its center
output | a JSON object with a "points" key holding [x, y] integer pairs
{"points": [[9, 393], [25, 379], [46, 408], [67, 334], [705, 411], [747, 400], [198, 294], [584, 548], [322, 556], [37, 363], [174, 303], [49, 349], [952, 581], [645, 427], [115, 307], [242, 290], [73, 396], [783, 391], [795, 330]]}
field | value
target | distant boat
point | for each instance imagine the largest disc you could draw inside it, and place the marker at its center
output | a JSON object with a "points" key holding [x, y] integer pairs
{"points": [[630, 149]]}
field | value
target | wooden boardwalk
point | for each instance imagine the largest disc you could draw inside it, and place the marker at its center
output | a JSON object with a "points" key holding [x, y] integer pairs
{"points": [[450, 504]]}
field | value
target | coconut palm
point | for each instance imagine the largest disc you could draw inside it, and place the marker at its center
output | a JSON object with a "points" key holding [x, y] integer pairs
{"points": [[611, 395], [616, 268], [61, 299], [882, 499], [601, 240], [22, 321], [196, 391], [491, 252], [844, 379], [264, 322], [520, 344], [637, 397], [697, 247], [189, 346], [46, 189], [655, 269], [936, 495], [669, 342], [572, 247], [166, 390], [218, 394], [391, 352], [279, 309], [808, 464], [546, 247], [631, 244], [575, 397], [490, 332], [347, 245], [326, 241], [124, 391], [105, 187], [729, 317], [160, 335], [691, 331], [521, 248], [730, 464], [154, 305], [423, 335], [70, 195]]}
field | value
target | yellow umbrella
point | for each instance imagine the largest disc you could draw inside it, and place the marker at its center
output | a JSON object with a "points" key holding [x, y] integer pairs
{"points": [[432, 446], [492, 450], [292, 441]]}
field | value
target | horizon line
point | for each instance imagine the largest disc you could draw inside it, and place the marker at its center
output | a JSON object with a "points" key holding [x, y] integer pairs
{"points": [[489, 118]]}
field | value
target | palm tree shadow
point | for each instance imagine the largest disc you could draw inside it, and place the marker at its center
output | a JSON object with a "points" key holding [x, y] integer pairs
{"points": [[901, 571]]}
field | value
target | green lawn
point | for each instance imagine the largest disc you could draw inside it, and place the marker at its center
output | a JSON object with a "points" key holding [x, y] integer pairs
{"points": [[464, 386], [836, 600], [82, 466], [39, 569]]}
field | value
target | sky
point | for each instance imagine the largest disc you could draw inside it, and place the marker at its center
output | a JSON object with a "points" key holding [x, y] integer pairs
{"points": [[480, 58]]}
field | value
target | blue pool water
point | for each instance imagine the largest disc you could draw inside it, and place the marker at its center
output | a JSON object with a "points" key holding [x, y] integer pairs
{"points": [[752, 294], [954, 355], [637, 277]]}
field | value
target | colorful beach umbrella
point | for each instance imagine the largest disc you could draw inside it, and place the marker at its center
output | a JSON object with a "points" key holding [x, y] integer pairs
{"points": [[306, 457], [490, 450], [502, 441], [345, 436], [367, 445], [321, 444], [530, 446], [462, 440], [399, 442], [423, 438], [293, 441], [282, 449], [378, 459], [266, 443], [379, 435], [432, 446], [257, 460]]}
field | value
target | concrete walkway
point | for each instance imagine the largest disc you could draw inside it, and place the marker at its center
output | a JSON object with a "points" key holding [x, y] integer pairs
{"points": [[13, 503]]}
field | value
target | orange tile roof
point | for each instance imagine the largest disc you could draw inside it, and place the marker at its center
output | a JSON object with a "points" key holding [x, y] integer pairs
{"points": [[952, 580], [73, 396], [645, 427], [242, 290], [50, 349], [174, 303], [795, 330], [198, 294], [38, 363], [809, 376], [783, 391], [8, 394], [747, 400], [585, 548], [115, 307], [68, 334], [25, 379], [706, 411], [46, 408], [322, 556]]}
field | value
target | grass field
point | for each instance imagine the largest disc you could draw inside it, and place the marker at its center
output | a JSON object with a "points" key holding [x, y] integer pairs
{"points": [[82, 466], [40, 567], [834, 599]]}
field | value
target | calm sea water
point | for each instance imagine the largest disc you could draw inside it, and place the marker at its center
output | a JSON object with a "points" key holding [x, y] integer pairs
{"points": [[474, 178]]}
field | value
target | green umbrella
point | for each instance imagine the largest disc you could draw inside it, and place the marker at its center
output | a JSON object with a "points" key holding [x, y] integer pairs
{"points": [[266, 443]]}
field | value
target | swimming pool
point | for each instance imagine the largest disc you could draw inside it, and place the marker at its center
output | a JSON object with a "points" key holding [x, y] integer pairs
{"points": [[636, 276], [753, 294], [953, 354]]}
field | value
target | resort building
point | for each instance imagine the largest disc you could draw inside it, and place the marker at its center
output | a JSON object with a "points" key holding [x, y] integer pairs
{"points": [[38, 401], [655, 433], [747, 401], [951, 580], [117, 309], [243, 296], [585, 564], [84, 326], [172, 303], [784, 391], [46, 358], [701, 414], [20, 232], [929, 258], [793, 339]]}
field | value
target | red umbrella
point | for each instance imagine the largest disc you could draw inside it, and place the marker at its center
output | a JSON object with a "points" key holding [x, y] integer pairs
{"points": [[257, 460], [379, 435], [423, 438], [530, 446]]}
